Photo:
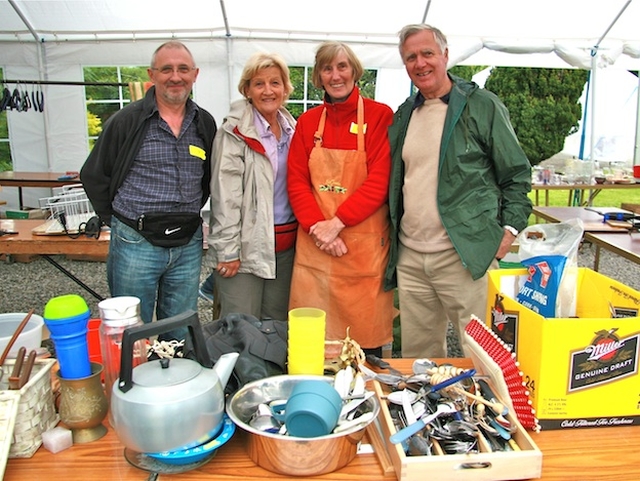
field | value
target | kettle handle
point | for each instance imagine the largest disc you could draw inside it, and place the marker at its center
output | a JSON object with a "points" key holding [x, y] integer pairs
{"points": [[187, 319]]}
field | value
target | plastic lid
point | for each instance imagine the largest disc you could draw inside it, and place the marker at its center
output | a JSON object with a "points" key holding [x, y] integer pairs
{"points": [[119, 307], [179, 371], [63, 307]]}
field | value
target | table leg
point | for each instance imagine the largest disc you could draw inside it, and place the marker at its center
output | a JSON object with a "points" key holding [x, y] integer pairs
{"points": [[72, 277], [20, 203], [596, 261], [592, 195]]}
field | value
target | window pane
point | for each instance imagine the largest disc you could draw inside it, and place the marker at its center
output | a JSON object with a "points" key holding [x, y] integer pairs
{"points": [[297, 80], [103, 110], [101, 75], [314, 93], [367, 84], [104, 100], [6, 162], [295, 110], [132, 74]]}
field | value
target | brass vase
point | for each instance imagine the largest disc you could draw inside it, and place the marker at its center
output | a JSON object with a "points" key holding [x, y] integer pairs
{"points": [[83, 405]]}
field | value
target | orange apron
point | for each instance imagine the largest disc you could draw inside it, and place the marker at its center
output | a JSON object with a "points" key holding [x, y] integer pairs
{"points": [[348, 288]]}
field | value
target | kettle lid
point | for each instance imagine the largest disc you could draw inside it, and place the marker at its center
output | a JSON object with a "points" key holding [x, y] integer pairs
{"points": [[177, 371]]}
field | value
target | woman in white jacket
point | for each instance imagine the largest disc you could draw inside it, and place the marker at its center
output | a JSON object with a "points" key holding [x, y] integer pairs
{"points": [[252, 234]]}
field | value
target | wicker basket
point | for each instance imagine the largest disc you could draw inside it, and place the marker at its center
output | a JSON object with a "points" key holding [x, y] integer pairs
{"points": [[36, 409]]}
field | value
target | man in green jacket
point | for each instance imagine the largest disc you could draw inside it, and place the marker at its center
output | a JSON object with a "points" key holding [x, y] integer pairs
{"points": [[457, 195]]}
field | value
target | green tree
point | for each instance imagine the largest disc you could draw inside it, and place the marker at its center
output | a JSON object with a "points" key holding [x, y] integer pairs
{"points": [[544, 105], [94, 125], [466, 71]]}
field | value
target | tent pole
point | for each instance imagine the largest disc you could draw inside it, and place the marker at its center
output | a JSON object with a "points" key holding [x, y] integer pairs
{"points": [[612, 23], [42, 73], [636, 150], [594, 75], [426, 11], [228, 45]]}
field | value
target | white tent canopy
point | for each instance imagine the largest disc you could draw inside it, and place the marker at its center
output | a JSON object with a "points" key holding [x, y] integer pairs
{"points": [[52, 40]]}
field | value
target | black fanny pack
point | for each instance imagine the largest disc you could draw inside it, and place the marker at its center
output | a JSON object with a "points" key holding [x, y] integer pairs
{"points": [[168, 229]]}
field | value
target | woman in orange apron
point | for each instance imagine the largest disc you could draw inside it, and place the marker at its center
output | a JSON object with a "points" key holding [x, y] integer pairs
{"points": [[338, 176]]}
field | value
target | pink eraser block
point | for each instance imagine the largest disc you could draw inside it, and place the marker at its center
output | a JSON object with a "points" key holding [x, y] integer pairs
{"points": [[57, 439]]}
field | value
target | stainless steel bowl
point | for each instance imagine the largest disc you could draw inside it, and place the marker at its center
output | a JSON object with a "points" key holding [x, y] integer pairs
{"points": [[287, 454]]}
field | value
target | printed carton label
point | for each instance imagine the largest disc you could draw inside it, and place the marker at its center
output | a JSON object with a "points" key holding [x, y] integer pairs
{"points": [[606, 359]]}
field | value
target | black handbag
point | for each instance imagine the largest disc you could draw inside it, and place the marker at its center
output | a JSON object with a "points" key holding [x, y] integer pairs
{"points": [[168, 229]]}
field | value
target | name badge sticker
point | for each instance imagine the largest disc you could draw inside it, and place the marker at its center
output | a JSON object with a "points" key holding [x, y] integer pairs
{"points": [[354, 128], [196, 151]]}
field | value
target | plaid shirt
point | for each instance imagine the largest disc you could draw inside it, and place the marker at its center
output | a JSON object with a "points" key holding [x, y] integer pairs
{"points": [[167, 172]]}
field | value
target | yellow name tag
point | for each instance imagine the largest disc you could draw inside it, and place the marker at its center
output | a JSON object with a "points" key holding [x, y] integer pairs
{"points": [[197, 152], [354, 128]]}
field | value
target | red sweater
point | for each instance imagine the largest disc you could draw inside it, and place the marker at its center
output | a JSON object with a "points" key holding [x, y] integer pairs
{"points": [[374, 191]]}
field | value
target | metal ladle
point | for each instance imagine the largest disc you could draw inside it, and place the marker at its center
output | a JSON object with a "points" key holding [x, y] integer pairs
{"points": [[13, 339]]}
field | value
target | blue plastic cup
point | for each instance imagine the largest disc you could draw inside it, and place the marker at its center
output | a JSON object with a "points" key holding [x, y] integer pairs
{"points": [[67, 318], [312, 409]]}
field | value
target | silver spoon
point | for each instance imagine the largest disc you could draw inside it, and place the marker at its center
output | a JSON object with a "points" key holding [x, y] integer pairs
{"points": [[411, 429], [352, 405], [262, 420], [423, 366]]}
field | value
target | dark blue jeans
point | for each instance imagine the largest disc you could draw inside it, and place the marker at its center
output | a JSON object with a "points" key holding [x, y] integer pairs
{"points": [[164, 278]]}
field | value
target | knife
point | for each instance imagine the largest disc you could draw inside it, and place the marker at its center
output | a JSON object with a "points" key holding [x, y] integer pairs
{"points": [[376, 361]]}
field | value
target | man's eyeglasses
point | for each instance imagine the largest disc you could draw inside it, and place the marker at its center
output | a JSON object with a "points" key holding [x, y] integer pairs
{"points": [[168, 70]]}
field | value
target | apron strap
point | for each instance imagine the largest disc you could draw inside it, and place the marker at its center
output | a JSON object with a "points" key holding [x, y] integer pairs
{"points": [[360, 124], [317, 137]]}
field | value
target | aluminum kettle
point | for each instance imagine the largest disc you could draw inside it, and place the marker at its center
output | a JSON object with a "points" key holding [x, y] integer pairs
{"points": [[169, 404]]}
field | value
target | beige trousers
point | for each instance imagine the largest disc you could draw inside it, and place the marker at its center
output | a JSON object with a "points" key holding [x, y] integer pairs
{"points": [[434, 289]]}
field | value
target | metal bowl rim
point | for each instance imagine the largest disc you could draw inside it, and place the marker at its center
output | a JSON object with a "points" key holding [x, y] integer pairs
{"points": [[372, 401]]}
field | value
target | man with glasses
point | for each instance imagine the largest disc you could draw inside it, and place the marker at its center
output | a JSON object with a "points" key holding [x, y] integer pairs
{"points": [[148, 177]]}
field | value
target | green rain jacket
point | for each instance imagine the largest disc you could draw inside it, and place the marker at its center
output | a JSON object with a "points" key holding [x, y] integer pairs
{"points": [[483, 177]]}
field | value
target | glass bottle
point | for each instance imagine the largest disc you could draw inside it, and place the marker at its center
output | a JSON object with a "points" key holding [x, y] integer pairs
{"points": [[118, 314]]}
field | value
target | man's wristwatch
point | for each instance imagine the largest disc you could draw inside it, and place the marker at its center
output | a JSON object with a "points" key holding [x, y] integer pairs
{"points": [[513, 230]]}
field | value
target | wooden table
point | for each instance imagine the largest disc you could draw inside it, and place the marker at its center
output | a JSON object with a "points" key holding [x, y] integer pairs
{"points": [[25, 242], [590, 454], [627, 246], [34, 179], [593, 222], [593, 190]]}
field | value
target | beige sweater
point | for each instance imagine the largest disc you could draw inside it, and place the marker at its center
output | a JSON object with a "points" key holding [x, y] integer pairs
{"points": [[420, 227]]}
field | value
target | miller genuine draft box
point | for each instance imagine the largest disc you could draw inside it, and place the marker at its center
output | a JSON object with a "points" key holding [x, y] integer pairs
{"points": [[581, 371]]}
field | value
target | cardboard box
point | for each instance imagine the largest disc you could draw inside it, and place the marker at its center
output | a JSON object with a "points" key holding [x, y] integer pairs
{"points": [[25, 214], [582, 371], [481, 466]]}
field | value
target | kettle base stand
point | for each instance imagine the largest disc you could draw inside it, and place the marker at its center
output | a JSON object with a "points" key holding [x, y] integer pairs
{"points": [[153, 465]]}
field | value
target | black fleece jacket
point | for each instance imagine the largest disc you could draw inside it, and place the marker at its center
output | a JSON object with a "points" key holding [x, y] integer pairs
{"points": [[109, 162]]}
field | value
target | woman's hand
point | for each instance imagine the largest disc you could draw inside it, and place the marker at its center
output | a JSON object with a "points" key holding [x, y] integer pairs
{"points": [[326, 231], [337, 248], [228, 269]]}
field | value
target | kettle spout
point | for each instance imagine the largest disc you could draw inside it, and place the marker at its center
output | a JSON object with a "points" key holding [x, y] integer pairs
{"points": [[224, 367]]}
